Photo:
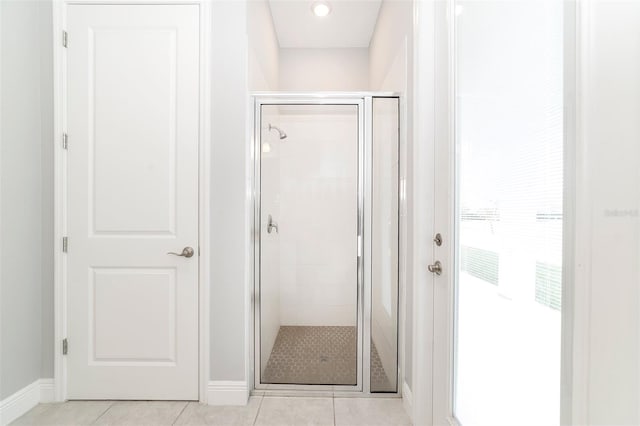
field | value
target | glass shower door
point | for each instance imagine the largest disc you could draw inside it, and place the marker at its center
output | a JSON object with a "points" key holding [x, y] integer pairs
{"points": [[385, 220], [308, 251]]}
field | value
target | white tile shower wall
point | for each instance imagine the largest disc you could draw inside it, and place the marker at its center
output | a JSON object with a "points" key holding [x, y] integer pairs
{"points": [[318, 218], [270, 242]]}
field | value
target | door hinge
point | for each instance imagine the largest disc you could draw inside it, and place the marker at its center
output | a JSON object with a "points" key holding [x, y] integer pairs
{"points": [[65, 244], [65, 346], [65, 38], [64, 141]]}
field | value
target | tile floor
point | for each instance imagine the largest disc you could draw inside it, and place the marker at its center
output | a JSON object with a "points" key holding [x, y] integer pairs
{"points": [[260, 411]]}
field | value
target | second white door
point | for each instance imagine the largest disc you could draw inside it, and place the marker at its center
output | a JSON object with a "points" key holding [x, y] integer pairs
{"points": [[133, 129]]}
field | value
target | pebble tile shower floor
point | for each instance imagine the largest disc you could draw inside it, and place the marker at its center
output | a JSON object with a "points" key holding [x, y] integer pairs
{"points": [[320, 355]]}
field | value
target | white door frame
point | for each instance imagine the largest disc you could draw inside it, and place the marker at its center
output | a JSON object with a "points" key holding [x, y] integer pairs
{"points": [[435, 162], [433, 56], [60, 185]]}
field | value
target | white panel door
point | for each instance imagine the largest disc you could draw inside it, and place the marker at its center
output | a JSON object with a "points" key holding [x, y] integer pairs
{"points": [[133, 107]]}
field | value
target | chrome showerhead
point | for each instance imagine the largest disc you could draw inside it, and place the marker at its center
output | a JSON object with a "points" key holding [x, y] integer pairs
{"points": [[282, 134]]}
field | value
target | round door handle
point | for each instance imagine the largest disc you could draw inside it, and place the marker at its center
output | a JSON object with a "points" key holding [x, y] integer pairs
{"points": [[186, 252]]}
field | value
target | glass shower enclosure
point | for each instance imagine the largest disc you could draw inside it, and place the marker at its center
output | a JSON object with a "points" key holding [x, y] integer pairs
{"points": [[326, 242]]}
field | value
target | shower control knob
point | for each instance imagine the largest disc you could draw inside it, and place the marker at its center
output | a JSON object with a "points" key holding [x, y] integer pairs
{"points": [[436, 268], [271, 225]]}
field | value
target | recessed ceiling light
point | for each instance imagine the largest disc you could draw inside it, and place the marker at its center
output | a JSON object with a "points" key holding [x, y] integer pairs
{"points": [[321, 8]]}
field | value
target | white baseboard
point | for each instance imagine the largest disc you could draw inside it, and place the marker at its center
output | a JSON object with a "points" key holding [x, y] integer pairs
{"points": [[227, 393], [47, 390], [407, 400], [19, 403], [14, 406]]}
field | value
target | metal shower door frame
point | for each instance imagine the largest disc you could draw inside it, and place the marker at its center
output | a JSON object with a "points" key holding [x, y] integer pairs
{"points": [[363, 101]]}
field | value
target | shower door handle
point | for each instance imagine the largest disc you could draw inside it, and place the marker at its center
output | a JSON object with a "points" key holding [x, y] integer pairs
{"points": [[271, 225]]}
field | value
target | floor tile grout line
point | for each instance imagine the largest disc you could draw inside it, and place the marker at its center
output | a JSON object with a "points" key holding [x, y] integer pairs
{"points": [[333, 395], [111, 404], [333, 401], [180, 413], [255, 420]]}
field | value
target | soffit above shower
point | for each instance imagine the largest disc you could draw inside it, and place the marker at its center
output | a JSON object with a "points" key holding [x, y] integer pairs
{"points": [[350, 23]]}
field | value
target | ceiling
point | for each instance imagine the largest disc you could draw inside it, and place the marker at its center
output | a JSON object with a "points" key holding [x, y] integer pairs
{"points": [[350, 23]]}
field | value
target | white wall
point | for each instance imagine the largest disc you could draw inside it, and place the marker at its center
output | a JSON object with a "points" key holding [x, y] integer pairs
{"points": [[394, 30], [318, 216], [229, 198], [608, 233], [45, 24], [391, 69], [263, 47], [23, 121], [324, 69]]}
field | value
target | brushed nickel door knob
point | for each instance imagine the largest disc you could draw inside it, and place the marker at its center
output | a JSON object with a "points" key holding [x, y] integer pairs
{"points": [[436, 268], [186, 252]]}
